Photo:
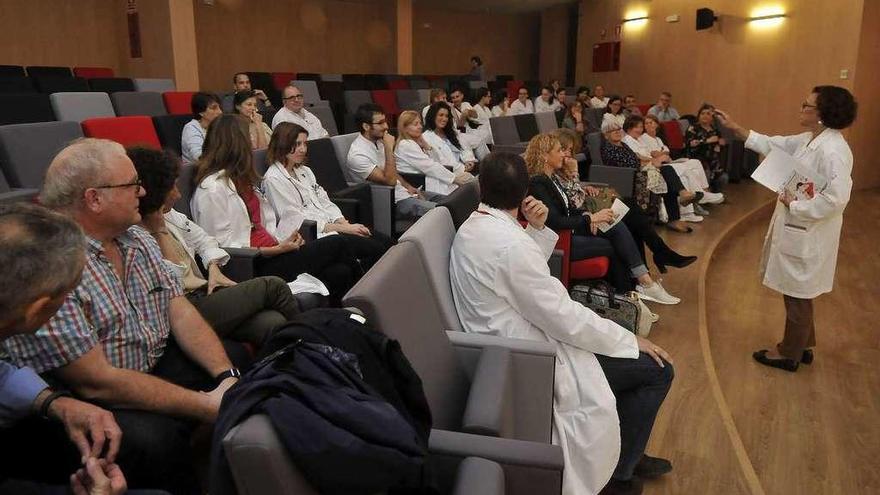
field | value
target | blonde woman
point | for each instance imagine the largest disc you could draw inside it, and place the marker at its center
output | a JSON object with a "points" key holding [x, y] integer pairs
{"points": [[415, 155]]}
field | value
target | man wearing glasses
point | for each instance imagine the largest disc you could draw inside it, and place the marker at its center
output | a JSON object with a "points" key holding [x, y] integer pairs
{"points": [[294, 112], [126, 336], [371, 158]]}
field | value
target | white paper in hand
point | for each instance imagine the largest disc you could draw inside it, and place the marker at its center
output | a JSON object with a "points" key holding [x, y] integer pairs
{"points": [[308, 283], [620, 209], [782, 172]]}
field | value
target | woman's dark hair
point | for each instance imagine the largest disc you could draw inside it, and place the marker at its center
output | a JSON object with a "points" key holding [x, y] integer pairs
{"points": [[632, 121], [498, 97], [504, 180], [158, 171], [227, 148], [477, 59], [449, 130], [836, 106], [480, 93], [703, 108], [552, 93], [283, 140], [240, 98], [583, 89], [200, 103], [612, 100]]}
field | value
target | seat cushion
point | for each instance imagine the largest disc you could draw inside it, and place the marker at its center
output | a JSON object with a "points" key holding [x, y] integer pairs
{"points": [[590, 268]]}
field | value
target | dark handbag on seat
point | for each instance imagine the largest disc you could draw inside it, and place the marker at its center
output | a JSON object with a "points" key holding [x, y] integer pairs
{"points": [[623, 309]]}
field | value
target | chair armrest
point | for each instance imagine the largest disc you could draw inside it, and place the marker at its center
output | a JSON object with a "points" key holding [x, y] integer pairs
{"points": [[533, 366], [620, 178], [309, 230], [241, 263], [477, 475], [535, 467], [15, 195], [363, 195], [555, 263], [350, 208], [489, 408], [384, 211], [259, 462]]}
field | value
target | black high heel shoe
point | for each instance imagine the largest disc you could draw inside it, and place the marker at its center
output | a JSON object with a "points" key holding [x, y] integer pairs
{"points": [[807, 356], [672, 258]]}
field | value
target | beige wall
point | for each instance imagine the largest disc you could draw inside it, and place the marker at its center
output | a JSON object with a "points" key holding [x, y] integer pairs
{"points": [[445, 40], [296, 35], [554, 43]]}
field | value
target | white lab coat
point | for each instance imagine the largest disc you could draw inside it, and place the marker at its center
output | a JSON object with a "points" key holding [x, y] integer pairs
{"points": [[502, 286], [194, 239], [299, 197], [518, 108], [412, 159], [800, 250], [217, 208], [447, 153]]}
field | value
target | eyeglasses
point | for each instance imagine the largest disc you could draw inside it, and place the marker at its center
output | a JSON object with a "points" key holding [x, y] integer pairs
{"points": [[137, 183], [381, 122], [294, 97], [806, 105]]}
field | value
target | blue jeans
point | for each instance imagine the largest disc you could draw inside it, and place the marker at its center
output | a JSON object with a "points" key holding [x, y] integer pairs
{"points": [[640, 387]]}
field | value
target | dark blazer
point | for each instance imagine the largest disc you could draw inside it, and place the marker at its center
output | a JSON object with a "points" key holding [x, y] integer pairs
{"points": [[559, 216]]}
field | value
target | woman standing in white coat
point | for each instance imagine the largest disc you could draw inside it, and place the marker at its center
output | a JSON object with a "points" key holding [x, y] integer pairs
{"points": [[800, 251]]}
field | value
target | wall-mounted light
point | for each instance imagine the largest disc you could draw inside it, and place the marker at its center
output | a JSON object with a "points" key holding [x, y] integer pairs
{"points": [[635, 19], [642, 18], [766, 17]]}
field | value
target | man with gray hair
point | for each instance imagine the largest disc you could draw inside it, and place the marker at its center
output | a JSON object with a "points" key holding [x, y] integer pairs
{"points": [[42, 255], [294, 112], [126, 336]]}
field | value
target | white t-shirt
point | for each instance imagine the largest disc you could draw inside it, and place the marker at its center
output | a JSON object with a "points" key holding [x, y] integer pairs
{"points": [[305, 119], [365, 155], [517, 107]]}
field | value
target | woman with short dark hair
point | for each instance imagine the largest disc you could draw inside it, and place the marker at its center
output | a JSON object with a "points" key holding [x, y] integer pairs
{"points": [[205, 108], [703, 142], [245, 103], [800, 250]]}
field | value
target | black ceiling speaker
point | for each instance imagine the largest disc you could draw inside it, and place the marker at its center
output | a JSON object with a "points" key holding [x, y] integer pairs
{"points": [[705, 18]]}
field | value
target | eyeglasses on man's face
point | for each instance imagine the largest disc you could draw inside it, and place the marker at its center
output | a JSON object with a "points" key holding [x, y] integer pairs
{"points": [[137, 183], [294, 97]]}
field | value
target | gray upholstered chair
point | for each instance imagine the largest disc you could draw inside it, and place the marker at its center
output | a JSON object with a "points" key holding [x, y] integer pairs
{"points": [[356, 98], [77, 107], [325, 115], [546, 121], [12, 195], [309, 90], [424, 94], [409, 99], [384, 211], [152, 84], [504, 131], [128, 103], [489, 396], [27, 149]]}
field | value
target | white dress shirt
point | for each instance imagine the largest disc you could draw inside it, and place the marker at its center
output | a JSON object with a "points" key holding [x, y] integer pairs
{"points": [[298, 196], [502, 285], [304, 119]]}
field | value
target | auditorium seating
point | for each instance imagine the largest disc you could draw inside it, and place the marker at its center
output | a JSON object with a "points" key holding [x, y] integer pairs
{"points": [[308, 76], [644, 109], [12, 195], [128, 103], [409, 99], [16, 84], [152, 84], [309, 90], [52, 71], [264, 82], [386, 99], [325, 115], [57, 84], [169, 128], [25, 107], [419, 84], [178, 102], [513, 89], [93, 72], [587, 269], [111, 84], [398, 84], [674, 137], [27, 149], [356, 98], [504, 131], [547, 121], [77, 107], [526, 126], [127, 131], [355, 201], [354, 82], [282, 79], [11, 70]]}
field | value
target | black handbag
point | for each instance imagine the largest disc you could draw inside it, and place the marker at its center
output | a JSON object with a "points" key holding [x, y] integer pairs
{"points": [[624, 309]]}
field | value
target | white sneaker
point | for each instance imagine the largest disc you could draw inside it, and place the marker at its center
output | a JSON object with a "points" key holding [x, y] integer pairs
{"points": [[657, 294], [710, 198], [692, 217]]}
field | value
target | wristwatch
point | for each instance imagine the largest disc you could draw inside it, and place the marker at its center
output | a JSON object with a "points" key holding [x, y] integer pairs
{"points": [[230, 373]]}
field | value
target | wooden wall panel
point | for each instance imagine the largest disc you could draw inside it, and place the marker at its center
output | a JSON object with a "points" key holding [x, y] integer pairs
{"points": [[444, 41], [760, 76], [554, 43], [863, 136], [298, 35], [66, 33], [157, 58]]}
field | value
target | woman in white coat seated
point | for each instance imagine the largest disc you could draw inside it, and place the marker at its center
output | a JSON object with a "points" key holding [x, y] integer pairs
{"points": [[483, 110], [500, 103], [415, 155], [229, 205], [547, 101], [691, 171], [294, 193], [800, 250], [614, 111], [442, 136], [522, 104], [609, 383]]}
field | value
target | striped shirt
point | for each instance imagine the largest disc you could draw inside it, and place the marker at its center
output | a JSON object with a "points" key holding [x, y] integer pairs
{"points": [[128, 318]]}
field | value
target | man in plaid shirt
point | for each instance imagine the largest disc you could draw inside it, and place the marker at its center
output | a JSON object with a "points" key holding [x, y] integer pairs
{"points": [[126, 337]]}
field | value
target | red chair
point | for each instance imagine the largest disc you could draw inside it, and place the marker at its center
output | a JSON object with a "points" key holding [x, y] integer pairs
{"points": [[127, 131], [674, 137], [387, 99], [588, 269], [513, 89], [398, 84], [92, 72], [178, 102], [282, 79], [644, 108]]}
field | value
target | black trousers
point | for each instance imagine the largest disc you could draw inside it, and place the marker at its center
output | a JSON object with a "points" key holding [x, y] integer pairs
{"points": [[618, 245], [673, 188], [367, 250], [640, 387], [156, 448], [641, 226], [328, 258]]}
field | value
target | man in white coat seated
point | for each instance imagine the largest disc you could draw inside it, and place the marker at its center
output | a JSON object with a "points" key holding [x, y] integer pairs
{"points": [[294, 112], [502, 286]]}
